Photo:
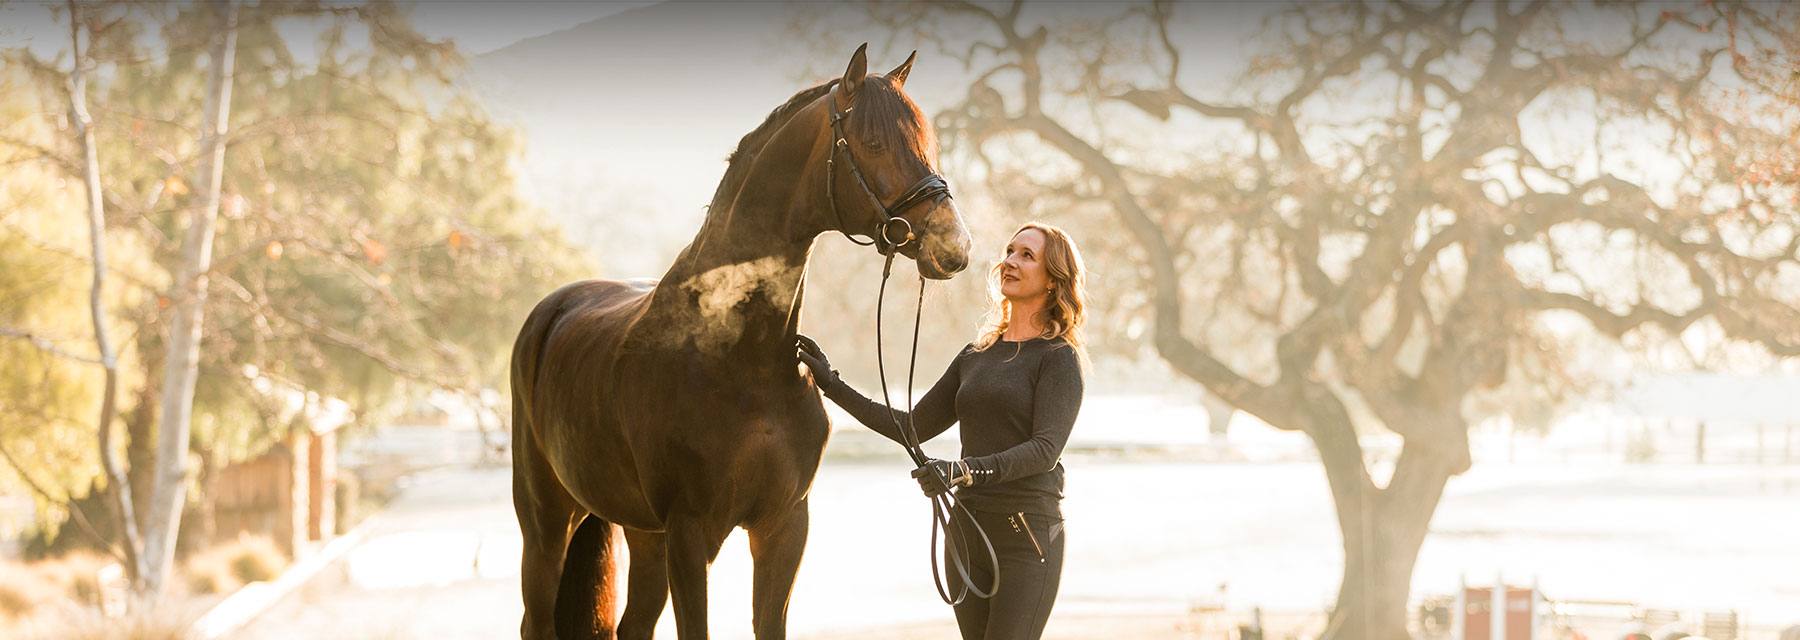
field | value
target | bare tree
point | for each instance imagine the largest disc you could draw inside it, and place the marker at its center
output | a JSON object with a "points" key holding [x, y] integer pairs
{"points": [[189, 295], [1388, 223], [118, 490]]}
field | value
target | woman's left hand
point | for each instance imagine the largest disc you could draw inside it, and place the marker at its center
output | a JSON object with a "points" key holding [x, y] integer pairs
{"points": [[938, 476]]}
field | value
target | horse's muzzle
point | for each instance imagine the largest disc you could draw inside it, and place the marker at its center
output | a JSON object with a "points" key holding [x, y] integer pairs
{"points": [[941, 245]]}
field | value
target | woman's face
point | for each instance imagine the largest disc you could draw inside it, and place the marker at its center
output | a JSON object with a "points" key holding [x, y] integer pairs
{"points": [[1022, 273]]}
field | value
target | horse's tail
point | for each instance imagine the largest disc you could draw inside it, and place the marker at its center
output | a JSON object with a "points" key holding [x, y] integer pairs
{"points": [[586, 598]]}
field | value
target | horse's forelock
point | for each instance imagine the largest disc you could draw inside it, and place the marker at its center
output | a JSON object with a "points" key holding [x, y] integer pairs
{"points": [[884, 111]]}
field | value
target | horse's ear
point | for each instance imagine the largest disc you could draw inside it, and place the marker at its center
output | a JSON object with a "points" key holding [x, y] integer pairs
{"points": [[853, 75], [898, 75]]}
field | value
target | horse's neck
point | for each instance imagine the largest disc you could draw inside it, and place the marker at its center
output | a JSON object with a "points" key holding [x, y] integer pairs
{"points": [[736, 288], [731, 292]]}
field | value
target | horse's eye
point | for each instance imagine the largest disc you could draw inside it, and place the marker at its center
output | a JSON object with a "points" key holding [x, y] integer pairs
{"points": [[874, 145]]}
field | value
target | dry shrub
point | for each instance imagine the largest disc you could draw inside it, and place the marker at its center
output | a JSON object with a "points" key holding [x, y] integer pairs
{"points": [[23, 591], [88, 623], [27, 587], [255, 558], [207, 573], [226, 567]]}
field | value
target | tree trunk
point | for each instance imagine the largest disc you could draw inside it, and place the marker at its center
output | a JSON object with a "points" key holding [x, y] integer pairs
{"points": [[1383, 530], [140, 433], [118, 491], [1218, 415], [189, 295], [206, 516]]}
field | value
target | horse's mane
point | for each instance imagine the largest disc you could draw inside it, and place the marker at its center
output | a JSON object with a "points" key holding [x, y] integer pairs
{"points": [[880, 108]]}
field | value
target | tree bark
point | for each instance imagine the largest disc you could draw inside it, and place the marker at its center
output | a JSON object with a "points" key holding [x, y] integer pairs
{"points": [[118, 490], [189, 296], [1383, 531]]}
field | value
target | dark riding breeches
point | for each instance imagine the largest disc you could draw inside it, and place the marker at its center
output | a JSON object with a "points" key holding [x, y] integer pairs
{"points": [[1030, 549]]}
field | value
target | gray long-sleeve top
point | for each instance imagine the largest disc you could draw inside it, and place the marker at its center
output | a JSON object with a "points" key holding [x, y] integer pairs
{"points": [[1017, 402]]}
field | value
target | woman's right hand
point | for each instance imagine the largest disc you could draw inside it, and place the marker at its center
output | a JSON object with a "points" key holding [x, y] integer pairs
{"points": [[814, 357]]}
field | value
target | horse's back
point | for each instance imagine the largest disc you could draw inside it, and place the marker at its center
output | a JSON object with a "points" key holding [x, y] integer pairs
{"points": [[575, 324]]}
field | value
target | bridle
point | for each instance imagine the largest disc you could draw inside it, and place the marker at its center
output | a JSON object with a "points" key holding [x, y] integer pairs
{"points": [[927, 189], [943, 506]]}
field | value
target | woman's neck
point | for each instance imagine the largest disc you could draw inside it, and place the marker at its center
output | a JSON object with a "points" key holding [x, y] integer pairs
{"points": [[1025, 324]]}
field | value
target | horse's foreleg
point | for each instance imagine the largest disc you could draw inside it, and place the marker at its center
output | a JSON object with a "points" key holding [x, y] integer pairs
{"points": [[545, 511], [776, 550], [691, 548], [647, 590]]}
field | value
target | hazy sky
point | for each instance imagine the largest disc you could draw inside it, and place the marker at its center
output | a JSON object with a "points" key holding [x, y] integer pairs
{"points": [[478, 26]]}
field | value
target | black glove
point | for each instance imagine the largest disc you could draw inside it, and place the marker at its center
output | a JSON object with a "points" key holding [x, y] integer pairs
{"points": [[937, 476], [814, 357]]}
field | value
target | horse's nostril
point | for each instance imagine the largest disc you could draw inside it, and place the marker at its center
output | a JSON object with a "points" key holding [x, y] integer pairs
{"points": [[954, 262]]}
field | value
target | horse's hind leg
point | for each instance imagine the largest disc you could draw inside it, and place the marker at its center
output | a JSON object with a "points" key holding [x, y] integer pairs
{"points": [[776, 550], [647, 592], [545, 510]]}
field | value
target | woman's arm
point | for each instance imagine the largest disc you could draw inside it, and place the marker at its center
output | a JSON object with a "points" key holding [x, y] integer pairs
{"points": [[933, 414], [1056, 399]]}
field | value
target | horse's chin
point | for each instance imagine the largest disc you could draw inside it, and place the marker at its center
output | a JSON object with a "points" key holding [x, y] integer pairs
{"points": [[931, 269]]}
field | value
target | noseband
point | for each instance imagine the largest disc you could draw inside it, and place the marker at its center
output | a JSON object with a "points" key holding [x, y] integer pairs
{"points": [[927, 189]]}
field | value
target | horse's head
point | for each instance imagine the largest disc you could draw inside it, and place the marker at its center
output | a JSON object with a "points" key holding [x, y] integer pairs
{"points": [[883, 180]]}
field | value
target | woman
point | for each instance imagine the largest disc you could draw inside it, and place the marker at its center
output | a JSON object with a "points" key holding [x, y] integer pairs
{"points": [[1016, 391]]}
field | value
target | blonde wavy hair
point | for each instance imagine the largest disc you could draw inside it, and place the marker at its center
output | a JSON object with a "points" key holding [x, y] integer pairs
{"points": [[1065, 312]]}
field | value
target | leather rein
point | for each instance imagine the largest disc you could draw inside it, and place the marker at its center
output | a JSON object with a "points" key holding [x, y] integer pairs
{"points": [[944, 505]]}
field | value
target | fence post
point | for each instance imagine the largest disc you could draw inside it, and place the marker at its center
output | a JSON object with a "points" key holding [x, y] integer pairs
{"points": [[1537, 612], [1497, 608], [1700, 443], [1460, 612]]}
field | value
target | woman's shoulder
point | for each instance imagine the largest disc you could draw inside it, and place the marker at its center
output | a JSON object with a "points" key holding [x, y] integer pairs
{"points": [[1060, 353], [1061, 348]]}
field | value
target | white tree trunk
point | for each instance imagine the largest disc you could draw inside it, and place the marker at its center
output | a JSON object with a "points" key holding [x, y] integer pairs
{"points": [[189, 296], [118, 491]]}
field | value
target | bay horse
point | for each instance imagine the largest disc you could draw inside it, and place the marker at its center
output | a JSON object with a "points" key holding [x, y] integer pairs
{"points": [[673, 411]]}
